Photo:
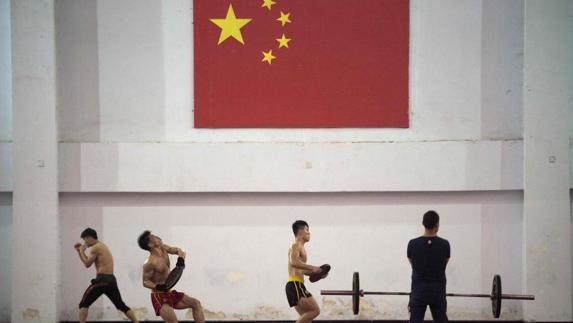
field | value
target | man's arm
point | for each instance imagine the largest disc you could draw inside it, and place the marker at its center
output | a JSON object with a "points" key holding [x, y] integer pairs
{"points": [[409, 253], [88, 261], [175, 251], [295, 262], [447, 252], [148, 271]]}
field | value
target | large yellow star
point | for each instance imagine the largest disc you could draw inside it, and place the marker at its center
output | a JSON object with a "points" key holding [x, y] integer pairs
{"points": [[283, 41], [284, 18], [268, 56], [231, 26], [268, 4]]}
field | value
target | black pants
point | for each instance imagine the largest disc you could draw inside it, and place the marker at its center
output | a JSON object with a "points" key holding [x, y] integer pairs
{"points": [[435, 299], [103, 284]]}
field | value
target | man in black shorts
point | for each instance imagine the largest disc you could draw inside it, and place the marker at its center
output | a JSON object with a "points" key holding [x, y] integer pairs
{"points": [[297, 295], [428, 255], [105, 282]]}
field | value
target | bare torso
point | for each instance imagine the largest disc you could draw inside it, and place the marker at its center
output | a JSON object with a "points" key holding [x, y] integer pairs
{"points": [[159, 265], [104, 260], [296, 248]]}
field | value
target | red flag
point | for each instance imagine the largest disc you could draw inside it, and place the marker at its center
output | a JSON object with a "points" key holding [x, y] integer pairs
{"points": [[301, 63]]}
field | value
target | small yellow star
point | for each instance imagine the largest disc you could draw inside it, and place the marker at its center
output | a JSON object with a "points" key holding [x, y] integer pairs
{"points": [[283, 41], [284, 18], [230, 26], [268, 56], [268, 4]]}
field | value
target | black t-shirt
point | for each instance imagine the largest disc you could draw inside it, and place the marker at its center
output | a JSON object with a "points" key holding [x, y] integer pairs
{"points": [[429, 256]]}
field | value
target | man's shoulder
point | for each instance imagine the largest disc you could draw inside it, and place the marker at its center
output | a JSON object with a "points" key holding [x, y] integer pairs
{"points": [[295, 246], [151, 261], [100, 246], [415, 240], [443, 240], [97, 247], [443, 243]]}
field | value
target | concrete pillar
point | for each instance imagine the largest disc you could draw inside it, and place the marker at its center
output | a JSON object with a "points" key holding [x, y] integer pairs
{"points": [[35, 243], [547, 91]]}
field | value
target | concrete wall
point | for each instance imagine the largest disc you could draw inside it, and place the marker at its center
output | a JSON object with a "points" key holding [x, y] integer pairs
{"points": [[35, 225], [5, 73], [5, 98], [5, 161], [5, 256], [546, 217]]}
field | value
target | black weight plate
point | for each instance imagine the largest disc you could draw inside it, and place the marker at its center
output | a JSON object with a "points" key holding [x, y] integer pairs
{"points": [[496, 296], [174, 277], [355, 293]]}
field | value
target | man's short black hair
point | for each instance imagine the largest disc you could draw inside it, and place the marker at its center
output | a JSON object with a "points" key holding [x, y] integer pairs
{"points": [[297, 225], [431, 219], [89, 232], [143, 240]]}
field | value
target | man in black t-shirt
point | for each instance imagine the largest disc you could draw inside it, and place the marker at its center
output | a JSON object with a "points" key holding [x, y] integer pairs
{"points": [[428, 255]]}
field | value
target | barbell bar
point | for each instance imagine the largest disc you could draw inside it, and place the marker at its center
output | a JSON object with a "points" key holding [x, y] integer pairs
{"points": [[496, 295]]}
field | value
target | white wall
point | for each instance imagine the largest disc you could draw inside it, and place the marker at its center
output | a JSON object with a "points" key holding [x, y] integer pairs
{"points": [[237, 246], [5, 257], [5, 98], [291, 167], [5, 73], [546, 217], [35, 225], [5, 161]]}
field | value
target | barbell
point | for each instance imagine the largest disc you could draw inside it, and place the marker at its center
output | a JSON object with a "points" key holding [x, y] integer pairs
{"points": [[496, 295]]}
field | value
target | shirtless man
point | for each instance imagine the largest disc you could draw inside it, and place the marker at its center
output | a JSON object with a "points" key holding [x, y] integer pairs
{"points": [[297, 295], [155, 272], [105, 282]]}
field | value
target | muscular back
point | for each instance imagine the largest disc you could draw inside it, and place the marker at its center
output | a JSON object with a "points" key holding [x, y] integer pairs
{"points": [[104, 259]]}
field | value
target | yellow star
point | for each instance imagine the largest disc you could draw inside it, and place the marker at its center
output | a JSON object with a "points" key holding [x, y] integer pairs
{"points": [[268, 56], [284, 18], [268, 4], [230, 26], [283, 41]]}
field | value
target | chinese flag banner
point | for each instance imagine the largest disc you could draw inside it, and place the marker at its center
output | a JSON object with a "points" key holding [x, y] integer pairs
{"points": [[301, 63]]}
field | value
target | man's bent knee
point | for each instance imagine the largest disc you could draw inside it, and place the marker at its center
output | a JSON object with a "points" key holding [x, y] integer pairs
{"points": [[316, 312], [195, 303]]}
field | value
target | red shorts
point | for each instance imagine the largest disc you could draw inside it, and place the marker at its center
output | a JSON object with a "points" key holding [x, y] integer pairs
{"points": [[170, 298]]}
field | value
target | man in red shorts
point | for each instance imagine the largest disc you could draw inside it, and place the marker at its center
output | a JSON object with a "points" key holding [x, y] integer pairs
{"points": [[155, 272]]}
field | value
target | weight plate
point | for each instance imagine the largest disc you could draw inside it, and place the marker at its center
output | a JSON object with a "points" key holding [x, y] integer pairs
{"points": [[356, 293], [496, 296]]}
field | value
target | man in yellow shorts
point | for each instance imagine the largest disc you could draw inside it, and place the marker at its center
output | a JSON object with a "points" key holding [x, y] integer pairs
{"points": [[297, 295]]}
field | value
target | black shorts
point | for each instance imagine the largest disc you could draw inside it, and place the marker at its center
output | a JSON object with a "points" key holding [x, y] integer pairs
{"points": [[295, 290], [103, 284]]}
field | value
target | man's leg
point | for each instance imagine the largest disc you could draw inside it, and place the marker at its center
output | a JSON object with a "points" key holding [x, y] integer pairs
{"points": [[417, 309], [112, 292], [168, 314], [90, 295], [83, 314], [308, 309], [130, 315], [438, 307], [194, 305]]}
